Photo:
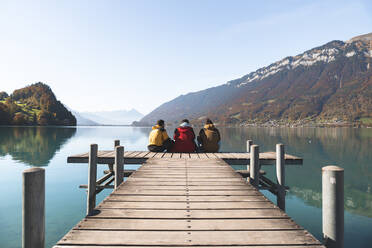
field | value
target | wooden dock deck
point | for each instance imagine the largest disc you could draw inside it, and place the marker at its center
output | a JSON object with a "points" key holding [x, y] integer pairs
{"points": [[140, 157], [186, 200]]}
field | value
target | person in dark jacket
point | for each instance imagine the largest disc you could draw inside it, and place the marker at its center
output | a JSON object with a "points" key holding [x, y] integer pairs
{"points": [[158, 138], [184, 138], [209, 138]]}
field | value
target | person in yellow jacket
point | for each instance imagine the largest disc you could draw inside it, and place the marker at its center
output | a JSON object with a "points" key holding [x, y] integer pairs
{"points": [[209, 138], [159, 140]]}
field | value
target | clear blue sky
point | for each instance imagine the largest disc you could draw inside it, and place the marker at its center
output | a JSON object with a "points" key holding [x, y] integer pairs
{"points": [[106, 55]]}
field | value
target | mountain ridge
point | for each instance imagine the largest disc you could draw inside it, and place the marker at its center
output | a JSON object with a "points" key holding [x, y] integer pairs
{"points": [[296, 89]]}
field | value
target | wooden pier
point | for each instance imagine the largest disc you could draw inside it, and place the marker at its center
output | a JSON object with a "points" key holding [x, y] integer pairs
{"points": [[186, 200]]}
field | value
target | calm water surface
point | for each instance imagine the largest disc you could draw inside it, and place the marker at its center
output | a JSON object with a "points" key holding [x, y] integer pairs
{"points": [[25, 147]]}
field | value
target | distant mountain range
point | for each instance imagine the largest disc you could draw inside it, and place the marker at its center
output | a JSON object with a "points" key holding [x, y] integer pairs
{"points": [[116, 117], [327, 84]]}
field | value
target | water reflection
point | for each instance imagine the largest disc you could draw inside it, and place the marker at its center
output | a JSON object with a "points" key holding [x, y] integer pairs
{"points": [[346, 147], [33, 145]]}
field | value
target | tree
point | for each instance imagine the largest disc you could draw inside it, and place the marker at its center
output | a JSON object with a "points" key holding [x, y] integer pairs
{"points": [[34, 119], [19, 119], [44, 118], [3, 95], [5, 117]]}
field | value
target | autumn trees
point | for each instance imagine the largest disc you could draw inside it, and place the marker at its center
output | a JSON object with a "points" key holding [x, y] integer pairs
{"points": [[33, 105]]}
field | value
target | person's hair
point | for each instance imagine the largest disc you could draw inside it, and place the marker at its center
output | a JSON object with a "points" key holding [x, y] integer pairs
{"points": [[208, 121], [185, 120], [160, 122]]}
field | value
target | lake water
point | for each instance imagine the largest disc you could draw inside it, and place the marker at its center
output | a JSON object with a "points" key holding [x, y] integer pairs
{"points": [[48, 147]]}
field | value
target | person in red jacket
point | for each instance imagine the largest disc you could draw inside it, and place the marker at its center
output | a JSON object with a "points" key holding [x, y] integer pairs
{"points": [[184, 138]]}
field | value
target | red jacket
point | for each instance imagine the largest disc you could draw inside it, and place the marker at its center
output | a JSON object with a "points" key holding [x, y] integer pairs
{"points": [[184, 140]]}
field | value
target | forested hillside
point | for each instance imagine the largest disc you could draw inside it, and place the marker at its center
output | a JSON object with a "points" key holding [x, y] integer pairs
{"points": [[327, 84], [34, 105]]}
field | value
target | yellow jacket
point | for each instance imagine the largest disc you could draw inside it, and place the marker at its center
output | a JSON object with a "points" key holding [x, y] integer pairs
{"points": [[209, 137], [158, 135]]}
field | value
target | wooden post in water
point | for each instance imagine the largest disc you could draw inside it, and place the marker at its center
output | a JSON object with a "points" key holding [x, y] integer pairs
{"points": [[116, 143], [249, 143], [254, 167], [118, 166], [280, 176], [92, 177], [33, 208], [333, 206], [248, 148]]}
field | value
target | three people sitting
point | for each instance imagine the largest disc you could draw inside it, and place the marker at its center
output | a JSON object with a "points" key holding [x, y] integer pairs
{"points": [[184, 138]]}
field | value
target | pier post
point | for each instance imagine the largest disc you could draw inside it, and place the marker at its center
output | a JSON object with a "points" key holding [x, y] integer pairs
{"points": [[280, 176], [92, 177], [254, 167], [249, 143], [333, 206], [118, 166], [33, 208], [116, 143]]}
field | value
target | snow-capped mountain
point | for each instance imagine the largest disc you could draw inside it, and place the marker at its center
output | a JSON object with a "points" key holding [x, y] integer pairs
{"points": [[309, 58], [329, 82]]}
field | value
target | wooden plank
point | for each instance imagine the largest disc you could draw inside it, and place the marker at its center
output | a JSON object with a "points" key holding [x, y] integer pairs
{"points": [[223, 246], [134, 154], [177, 155], [174, 183], [128, 154], [191, 214], [194, 155], [141, 155], [159, 155], [191, 167], [168, 155], [194, 176], [186, 225], [85, 154], [191, 188], [182, 172], [108, 154], [135, 179], [211, 155], [194, 192], [224, 155], [241, 155], [168, 198], [203, 155], [187, 205], [284, 237], [219, 155], [102, 153], [150, 155]]}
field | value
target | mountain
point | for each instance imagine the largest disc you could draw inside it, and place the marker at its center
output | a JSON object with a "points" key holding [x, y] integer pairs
{"points": [[82, 121], [116, 117], [34, 105], [327, 84]]}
